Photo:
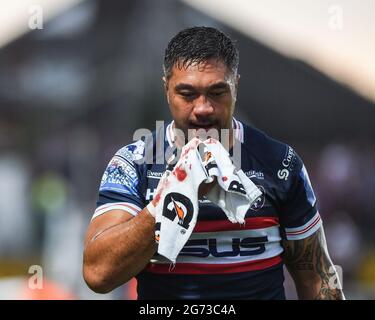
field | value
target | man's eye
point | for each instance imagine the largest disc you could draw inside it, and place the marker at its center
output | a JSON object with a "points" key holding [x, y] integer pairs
{"points": [[217, 93], [187, 94]]}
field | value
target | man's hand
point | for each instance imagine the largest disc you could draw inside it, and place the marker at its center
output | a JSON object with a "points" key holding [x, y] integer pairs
{"points": [[176, 174], [175, 205], [205, 188]]}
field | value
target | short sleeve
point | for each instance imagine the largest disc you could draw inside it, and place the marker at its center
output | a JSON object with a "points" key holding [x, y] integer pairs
{"points": [[299, 215], [119, 187]]}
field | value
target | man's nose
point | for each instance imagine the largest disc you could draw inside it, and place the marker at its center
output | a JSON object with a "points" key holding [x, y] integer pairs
{"points": [[203, 106]]}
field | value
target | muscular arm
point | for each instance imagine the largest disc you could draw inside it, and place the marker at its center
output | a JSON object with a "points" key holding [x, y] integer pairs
{"points": [[309, 264], [117, 247]]}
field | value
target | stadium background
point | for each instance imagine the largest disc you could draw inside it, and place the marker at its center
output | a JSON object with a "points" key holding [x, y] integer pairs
{"points": [[74, 92]]}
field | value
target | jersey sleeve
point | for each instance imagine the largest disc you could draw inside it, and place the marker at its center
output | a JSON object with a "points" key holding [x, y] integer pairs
{"points": [[299, 215], [120, 184]]}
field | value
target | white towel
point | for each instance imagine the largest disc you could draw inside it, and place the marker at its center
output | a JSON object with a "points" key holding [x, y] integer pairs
{"points": [[235, 192], [176, 199]]}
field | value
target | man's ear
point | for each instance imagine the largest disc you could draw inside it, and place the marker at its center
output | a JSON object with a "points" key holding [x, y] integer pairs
{"points": [[166, 88], [165, 82], [237, 80]]}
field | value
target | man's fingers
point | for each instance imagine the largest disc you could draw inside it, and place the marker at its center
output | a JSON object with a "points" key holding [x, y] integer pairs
{"points": [[205, 188]]}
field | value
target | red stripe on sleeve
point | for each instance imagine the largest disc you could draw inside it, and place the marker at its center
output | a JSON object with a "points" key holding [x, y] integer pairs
{"points": [[305, 229]]}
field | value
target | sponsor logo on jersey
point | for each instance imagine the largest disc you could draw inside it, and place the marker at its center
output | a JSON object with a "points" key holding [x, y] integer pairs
{"points": [[287, 164], [119, 173], [202, 248], [154, 175], [255, 174], [150, 194], [283, 174]]}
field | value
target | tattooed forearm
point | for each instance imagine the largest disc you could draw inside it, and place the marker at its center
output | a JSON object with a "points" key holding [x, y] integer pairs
{"points": [[309, 264]]}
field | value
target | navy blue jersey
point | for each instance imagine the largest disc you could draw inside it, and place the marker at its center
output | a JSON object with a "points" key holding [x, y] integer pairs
{"points": [[221, 260]]}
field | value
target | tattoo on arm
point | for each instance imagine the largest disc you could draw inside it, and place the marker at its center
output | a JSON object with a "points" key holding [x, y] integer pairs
{"points": [[311, 254]]}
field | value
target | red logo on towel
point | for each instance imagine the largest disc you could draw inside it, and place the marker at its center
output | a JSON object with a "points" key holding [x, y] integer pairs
{"points": [[207, 156]]}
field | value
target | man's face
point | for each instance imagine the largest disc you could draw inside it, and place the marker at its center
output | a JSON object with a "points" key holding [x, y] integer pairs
{"points": [[202, 96]]}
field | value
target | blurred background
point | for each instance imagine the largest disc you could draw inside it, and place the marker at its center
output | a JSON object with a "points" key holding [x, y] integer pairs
{"points": [[78, 77]]}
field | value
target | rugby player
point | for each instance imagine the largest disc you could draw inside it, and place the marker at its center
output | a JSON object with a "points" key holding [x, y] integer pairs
{"points": [[221, 260]]}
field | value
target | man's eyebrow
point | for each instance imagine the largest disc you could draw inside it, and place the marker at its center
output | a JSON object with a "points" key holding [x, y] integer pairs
{"points": [[219, 85], [185, 86]]}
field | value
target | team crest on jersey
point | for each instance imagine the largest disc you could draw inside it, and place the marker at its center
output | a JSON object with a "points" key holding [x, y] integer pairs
{"points": [[180, 206], [259, 202]]}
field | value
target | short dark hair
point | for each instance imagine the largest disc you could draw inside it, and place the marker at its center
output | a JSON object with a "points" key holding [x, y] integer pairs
{"points": [[198, 44]]}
